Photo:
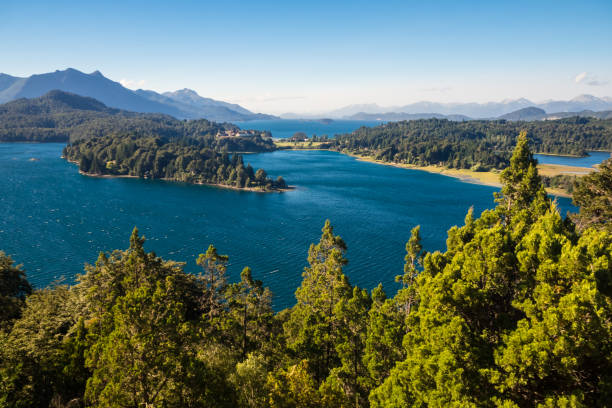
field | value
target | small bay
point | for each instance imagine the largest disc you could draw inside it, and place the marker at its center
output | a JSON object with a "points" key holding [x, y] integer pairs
{"points": [[589, 161]]}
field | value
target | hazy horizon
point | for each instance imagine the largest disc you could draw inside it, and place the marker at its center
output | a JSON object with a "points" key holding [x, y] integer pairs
{"points": [[277, 58]]}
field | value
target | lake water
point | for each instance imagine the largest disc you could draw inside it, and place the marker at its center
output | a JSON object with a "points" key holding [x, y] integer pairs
{"points": [[53, 220], [286, 128], [592, 159]]}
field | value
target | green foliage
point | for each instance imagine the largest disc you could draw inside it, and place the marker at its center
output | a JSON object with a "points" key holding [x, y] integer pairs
{"points": [[475, 144], [594, 196], [14, 287], [293, 388], [250, 317], [134, 336], [64, 117], [513, 313], [561, 181], [314, 326], [187, 160], [516, 312]]}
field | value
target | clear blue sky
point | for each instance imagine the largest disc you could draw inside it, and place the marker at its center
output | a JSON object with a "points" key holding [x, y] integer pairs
{"points": [[279, 56]]}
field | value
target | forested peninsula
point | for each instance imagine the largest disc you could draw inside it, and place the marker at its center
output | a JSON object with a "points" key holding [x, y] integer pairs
{"points": [[516, 312], [479, 145], [185, 159]]}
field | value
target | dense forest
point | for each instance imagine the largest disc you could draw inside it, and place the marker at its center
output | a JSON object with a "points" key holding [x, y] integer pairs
{"points": [[183, 159], [474, 144], [517, 312], [62, 117]]}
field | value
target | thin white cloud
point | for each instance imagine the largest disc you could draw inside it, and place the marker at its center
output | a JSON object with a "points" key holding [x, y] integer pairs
{"points": [[133, 84], [589, 79], [580, 77]]}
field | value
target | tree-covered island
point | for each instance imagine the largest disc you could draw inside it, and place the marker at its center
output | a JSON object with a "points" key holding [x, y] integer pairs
{"points": [[186, 159]]}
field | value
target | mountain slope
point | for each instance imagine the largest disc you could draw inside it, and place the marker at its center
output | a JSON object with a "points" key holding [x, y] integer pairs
{"points": [[191, 98], [397, 116], [64, 117], [530, 113], [113, 94]]}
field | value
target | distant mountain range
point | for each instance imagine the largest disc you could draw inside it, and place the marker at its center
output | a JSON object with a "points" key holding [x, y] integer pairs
{"points": [[462, 111], [525, 114], [187, 104], [182, 104]]}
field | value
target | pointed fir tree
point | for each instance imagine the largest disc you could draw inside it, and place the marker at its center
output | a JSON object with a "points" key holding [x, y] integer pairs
{"points": [[313, 326]]}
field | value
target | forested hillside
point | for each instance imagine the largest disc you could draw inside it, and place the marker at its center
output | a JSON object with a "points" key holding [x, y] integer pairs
{"points": [[475, 144], [517, 312], [184, 159], [63, 117]]}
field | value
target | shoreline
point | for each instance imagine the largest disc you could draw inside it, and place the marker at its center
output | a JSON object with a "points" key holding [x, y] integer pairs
{"points": [[216, 185], [486, 178]]}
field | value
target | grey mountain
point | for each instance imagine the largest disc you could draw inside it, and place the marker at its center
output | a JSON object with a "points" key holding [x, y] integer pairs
{"points": [[113, 94], [397, 116], [475, 110]]}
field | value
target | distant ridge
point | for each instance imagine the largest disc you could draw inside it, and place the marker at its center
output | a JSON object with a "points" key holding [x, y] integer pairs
{"points": [[471, 110], [397, 116], [113, 94], [530, 113]]}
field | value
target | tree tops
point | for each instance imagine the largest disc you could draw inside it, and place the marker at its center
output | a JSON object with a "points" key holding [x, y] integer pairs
{"points": [[515, 312], [474, 144], [187, 160]]}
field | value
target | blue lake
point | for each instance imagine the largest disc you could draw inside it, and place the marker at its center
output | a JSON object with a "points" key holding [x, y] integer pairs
{"points": [[589, 161], [286, 128], [53, 220]]}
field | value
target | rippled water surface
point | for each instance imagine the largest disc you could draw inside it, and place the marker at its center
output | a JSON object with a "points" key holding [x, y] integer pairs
{"points": [[53, 220]]}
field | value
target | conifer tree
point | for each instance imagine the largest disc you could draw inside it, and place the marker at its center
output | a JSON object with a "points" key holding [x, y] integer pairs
{"points": [[593, 194], [513, 313], [143, 348], [386, 330], [250, 313], [352, 375], [413, 258], [14, 287], [313, 327], [213, 277]]}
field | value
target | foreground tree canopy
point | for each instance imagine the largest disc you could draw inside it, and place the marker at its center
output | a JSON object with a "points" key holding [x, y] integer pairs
{"points": [[517, 312]]}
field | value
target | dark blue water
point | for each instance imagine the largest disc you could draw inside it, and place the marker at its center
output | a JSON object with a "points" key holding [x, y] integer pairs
{"points": [[592, 159], [53, 220], [286, 128]]}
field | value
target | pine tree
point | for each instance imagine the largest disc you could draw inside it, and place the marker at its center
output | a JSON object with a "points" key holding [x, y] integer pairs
{"points": [[593, 194], [14, 287], [386, 330], [213, 277], [353, 375], [414, 257], [250, 313], [313, 327], [514, 313], [143, 349]]}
